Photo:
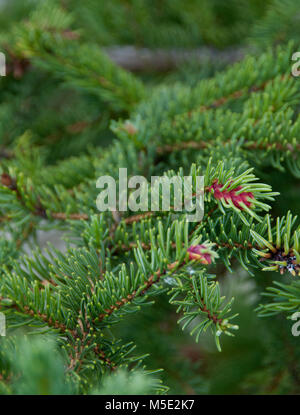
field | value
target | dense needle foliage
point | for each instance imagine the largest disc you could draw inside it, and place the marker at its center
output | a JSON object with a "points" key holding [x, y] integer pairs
{"points": [[149, 302]]}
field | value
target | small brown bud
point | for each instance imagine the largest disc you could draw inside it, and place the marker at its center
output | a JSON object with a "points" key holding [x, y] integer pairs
{"points": [[130, 128], [6, 180]]}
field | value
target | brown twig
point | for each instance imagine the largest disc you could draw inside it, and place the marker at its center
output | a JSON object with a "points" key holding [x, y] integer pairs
{"points": [[39, 210], [199, 145], [154, 278]]}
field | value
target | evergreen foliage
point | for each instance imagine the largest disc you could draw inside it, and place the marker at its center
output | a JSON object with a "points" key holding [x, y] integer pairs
{"points": [[104, 315]]}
